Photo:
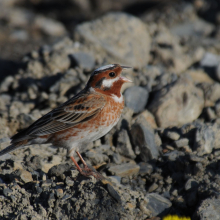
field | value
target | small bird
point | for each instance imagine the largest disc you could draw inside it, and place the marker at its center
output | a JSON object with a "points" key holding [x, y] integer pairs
{"points": [[86, 117]]}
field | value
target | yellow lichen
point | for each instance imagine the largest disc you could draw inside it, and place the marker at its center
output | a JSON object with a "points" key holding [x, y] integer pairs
{"points": [[175, 217]]}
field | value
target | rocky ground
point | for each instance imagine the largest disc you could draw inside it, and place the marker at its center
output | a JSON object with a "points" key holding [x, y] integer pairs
{"points": [[162, 157]]}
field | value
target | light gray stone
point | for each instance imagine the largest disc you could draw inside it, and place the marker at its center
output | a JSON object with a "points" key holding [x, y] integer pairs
{"points": [[120, 39], [136, 98]]}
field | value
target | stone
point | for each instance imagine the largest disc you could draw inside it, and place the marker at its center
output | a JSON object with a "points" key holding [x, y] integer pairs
{"points": [[123, 170], [178, 103], [124, 146], [145, 168], [25, 176], [84, 60], [50, 26], [172, 156], [172, 134], [204, 140], [211, 93], [58, 170], [96, 157], [120, 41], [157, 204], [170, 53], [209, 209], [210, 60], [149, 118], [143, 137], [196, 28], [181, 142], [191, 184], [136, 98]]}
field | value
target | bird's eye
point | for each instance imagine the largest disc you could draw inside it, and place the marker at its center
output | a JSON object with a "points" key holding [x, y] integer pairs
{"points": [[111, 74]]}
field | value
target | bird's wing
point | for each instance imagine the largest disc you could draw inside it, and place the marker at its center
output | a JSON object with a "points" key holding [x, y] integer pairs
{"points": [[80, 108]]}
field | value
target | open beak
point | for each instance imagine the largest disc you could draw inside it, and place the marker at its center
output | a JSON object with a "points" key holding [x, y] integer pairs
{"points": [[124, 79], [126, 67]]}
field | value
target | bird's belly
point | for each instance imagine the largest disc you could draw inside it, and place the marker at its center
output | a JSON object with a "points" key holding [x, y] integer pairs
{"points": [[91, 130]]}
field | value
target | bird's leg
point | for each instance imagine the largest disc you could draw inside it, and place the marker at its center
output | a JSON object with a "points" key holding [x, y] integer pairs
{"points": [[87, 171], [76, 164]]}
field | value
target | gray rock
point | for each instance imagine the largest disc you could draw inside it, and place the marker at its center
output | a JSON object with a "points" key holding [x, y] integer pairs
{"points": [[157, 204], [171, 134], [121, 39], [178, 103], [96, 157], [210, 60], [145, 168], [209, 209], [211, 93], [116, 158], [171, 156], [143, 137], [196, 28], [126, 169], [191, 184], [123, 144], [204, 140], [50, 26], [181, 142], [136, 98], [84, 60]]}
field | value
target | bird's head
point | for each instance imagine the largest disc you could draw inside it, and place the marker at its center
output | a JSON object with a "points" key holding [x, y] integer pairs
{"points": [[108, 80]]}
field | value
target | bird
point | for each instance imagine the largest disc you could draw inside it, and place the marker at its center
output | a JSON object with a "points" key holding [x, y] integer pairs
{"points": [[84, 118]]}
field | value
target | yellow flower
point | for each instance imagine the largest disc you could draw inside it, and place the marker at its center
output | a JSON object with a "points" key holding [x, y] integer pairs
{"points": [[175, 217]]}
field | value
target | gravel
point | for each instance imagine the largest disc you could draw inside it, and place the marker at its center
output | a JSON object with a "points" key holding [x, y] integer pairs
{"points": [[163, 155]]}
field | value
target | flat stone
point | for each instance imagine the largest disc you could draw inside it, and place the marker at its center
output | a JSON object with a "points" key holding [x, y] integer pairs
{"points": [[157, 204], [25, 176], [124, 146], [126, 169], [136, 98], [143, 136]]}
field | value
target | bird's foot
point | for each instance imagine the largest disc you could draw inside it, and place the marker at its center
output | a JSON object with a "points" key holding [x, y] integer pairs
{"points": [[86, 170]]}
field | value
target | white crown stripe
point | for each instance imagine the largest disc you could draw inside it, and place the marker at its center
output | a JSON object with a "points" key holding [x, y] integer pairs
{"points": [[105, 67]]}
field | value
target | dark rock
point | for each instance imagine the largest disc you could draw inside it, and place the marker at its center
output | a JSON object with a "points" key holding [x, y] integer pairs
{"points": [[136, 98], [143, 137]]}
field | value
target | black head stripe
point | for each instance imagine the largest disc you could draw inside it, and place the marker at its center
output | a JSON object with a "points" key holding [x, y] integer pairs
{"points": [[99, 83]]}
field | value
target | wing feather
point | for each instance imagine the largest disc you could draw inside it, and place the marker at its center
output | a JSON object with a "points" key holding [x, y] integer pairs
{"points": [[80, 108]]}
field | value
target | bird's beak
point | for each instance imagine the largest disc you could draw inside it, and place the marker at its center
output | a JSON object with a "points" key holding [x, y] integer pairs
{"points": [[126, 67], [124, 79]]}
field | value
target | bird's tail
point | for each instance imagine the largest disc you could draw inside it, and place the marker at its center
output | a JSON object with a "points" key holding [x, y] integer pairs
{"points": [[8, 149], [13, 147]]}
